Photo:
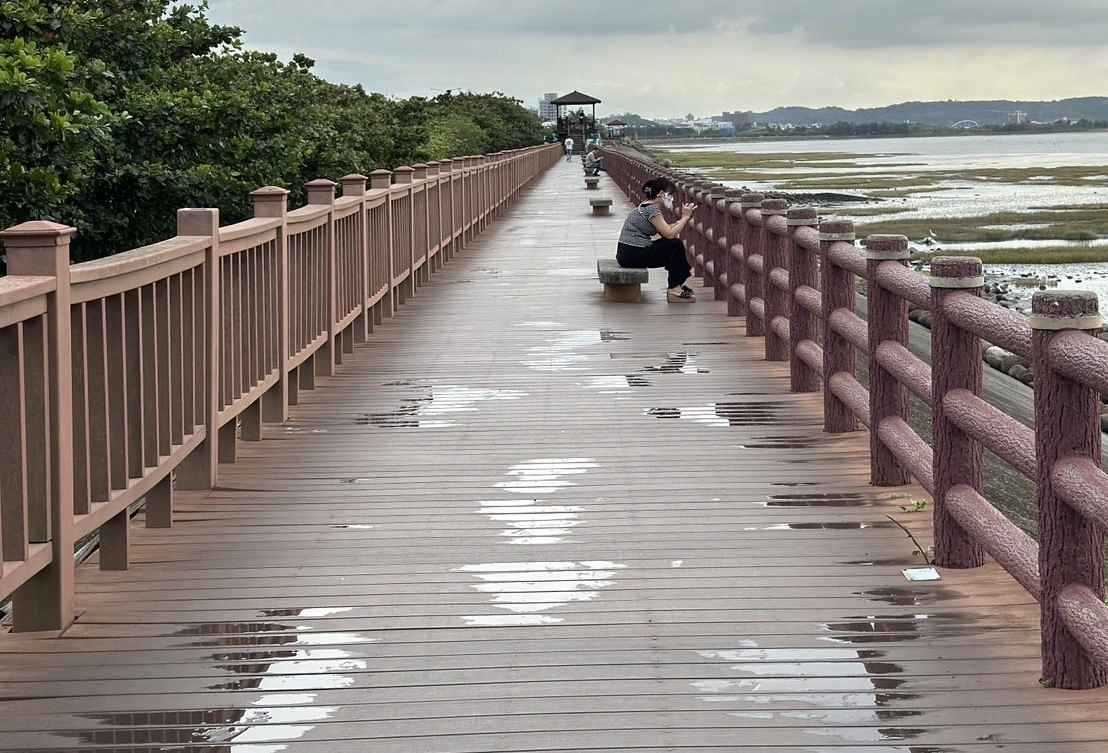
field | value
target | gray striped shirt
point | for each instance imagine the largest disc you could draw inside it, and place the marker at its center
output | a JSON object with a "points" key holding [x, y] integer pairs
{"points": [[637, 228]]}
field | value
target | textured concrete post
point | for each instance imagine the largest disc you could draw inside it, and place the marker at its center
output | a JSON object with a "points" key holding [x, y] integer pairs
{"points": [[272, 201], [45, 602], [837, 287], [752, 281], [803, 324], [712, 249], [1067, 424], [198, 470], [957, 365], [887, 322], [773, 257], [322, 191], [734, 267]]}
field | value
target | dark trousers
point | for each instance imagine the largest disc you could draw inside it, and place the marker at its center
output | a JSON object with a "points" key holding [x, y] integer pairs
{"points": [[664, 252]]}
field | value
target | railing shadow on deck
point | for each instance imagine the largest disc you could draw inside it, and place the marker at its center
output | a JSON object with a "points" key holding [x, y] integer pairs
{"points": [[131, 376], [793, 278]]}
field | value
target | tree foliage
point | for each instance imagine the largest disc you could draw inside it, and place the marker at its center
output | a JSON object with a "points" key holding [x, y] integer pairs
{"points": [[115, 113]]}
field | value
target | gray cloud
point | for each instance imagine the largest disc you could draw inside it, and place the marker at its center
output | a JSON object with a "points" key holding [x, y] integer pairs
{"points": [[663, 58]]}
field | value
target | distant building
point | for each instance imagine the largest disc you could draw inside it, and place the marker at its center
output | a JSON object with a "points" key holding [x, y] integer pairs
{"points": [[548, 111]]}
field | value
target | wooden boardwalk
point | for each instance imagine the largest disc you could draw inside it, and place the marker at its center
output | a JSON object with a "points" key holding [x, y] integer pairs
{"points": [[525, 519]]}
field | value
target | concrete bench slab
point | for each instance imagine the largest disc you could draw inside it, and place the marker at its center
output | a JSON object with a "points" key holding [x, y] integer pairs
{"points": [[621, 284], [601, 206], [592, 182]]}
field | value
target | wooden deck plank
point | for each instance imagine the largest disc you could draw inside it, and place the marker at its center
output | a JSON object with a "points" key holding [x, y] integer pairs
{"points": [[522, 518]]}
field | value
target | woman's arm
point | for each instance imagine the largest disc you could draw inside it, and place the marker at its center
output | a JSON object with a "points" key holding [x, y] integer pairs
{"points": [[672, 229]]}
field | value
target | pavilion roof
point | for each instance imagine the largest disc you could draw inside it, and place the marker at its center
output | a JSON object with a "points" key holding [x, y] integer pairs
{"points": [[575, 98]]}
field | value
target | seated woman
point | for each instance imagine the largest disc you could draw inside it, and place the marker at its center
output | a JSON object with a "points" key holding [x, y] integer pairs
{"points": [[594, 161], [637, 247]]}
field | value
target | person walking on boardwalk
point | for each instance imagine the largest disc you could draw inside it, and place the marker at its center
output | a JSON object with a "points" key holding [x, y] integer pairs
{"points": [[637, 247], [569, 148]]}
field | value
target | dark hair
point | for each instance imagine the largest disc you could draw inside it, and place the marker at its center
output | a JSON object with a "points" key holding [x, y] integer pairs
{"points": [[656, 187]]}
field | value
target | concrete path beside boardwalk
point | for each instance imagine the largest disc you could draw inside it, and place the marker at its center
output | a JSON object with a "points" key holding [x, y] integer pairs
{"points": [[525, 519]]}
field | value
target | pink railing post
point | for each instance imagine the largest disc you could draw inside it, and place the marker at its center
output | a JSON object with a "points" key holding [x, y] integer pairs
{"points": [[956, 365], [887, 322], [837, 286], [45, 602], [803, 324], [1067, 425], [354, 185], [198, 471], [773, 257], [322, 191], [752, 281], [382, 180], [273, 202]]}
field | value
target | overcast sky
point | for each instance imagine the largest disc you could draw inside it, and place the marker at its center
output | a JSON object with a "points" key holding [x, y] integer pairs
{"points": [[662, 59]]}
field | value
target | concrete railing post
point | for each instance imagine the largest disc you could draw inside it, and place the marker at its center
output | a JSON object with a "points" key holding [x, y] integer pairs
{"points": [[273, 202], [774, 257], [322, 192], [803, 324], [752, 281], [837, 289], [45, 602], [887, 322], [956, 358], [1067, 425], [713, 250], [736, 306], [199, 470]]}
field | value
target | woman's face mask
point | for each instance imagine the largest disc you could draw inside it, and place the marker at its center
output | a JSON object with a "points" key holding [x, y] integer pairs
{"points": [[669, 201]]}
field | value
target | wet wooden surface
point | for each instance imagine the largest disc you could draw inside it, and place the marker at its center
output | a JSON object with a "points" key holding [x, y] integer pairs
{"points": [[525, 519]]}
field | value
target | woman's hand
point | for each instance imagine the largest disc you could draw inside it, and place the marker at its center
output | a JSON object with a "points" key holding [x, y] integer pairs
{"points": [[687, 210]]}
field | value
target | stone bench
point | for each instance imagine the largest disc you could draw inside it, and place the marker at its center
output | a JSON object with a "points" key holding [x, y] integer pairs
{"points": [[601, 206], [592, 182], [621, 284]]}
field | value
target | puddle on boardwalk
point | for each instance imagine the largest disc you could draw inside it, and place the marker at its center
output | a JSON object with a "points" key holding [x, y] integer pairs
{"points": [[608, 335], [524, 589], [425, 409], [564, 350], [820, 526], [616, 385], [531, 521], [677, 363], [725, 414], [544, 475], [851, 694], [780, 443], [279, 667], [827, 499]]}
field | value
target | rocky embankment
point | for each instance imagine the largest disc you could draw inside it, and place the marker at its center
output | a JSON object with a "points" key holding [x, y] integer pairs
{"points": [[1004, 361]]}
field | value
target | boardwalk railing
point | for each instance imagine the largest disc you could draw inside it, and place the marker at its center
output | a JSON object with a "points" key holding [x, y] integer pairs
{"points": [[125, 378], [793, 277]]}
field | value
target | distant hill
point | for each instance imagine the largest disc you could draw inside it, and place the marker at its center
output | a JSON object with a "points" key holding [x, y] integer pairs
{"points": [[994, 112]]}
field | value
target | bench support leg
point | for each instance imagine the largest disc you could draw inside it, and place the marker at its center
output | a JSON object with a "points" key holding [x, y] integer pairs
{"points": [[623, 292], [604, 210]]}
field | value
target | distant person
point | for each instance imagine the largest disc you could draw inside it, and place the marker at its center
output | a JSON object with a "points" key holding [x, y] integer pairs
{"points": [[569, 148], [594, 161], [638, 249]]}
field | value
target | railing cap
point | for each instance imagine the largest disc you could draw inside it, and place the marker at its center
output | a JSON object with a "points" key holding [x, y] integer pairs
{"points": [[836, 230], [775, 206], [35, 232], [1065, 309], [802, 217]]}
